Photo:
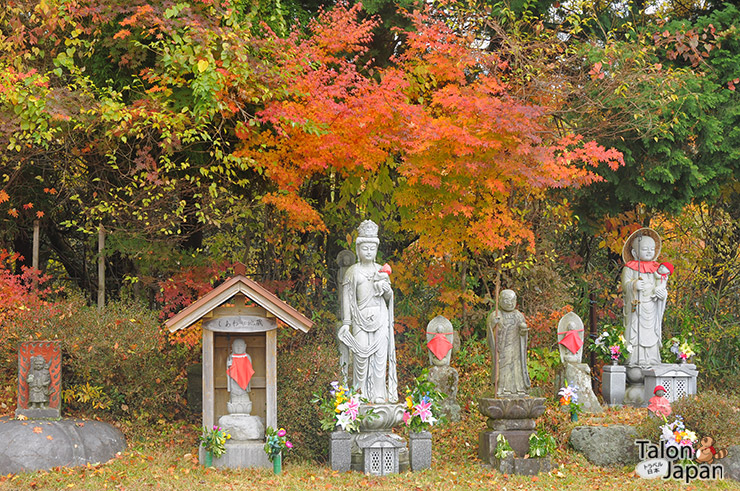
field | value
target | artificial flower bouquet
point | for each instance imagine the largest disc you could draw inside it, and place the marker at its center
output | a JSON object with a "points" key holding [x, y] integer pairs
{"points": [[610, 345], [569, 399], [276, 442], [422, 404], [342, 408], [214, 440], [683, 348]]}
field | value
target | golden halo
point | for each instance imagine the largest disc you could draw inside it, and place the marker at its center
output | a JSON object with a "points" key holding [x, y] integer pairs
{"points": [[627, 250]]}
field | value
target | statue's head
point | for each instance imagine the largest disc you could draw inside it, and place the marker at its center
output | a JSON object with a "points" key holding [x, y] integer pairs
{"points": [[366, 245], [239, 346], [38, 362], [643, 248], [507, 300]]}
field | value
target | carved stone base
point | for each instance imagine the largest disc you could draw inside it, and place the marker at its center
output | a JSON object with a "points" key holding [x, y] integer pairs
{"points": [[385, 417], [39, 413], [243, 427], [518, 439], [514, 418], [358, 457]]}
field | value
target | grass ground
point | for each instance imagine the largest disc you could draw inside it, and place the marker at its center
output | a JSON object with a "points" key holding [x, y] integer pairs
{"points": [[166, 458]]}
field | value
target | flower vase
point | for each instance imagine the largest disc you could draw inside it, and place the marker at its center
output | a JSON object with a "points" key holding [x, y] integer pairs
{"points": [[682, 361], [277, 463], [209, 458], [574, 416], [615, 362]]}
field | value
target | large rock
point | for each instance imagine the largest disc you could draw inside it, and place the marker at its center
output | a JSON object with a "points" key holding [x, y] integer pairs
{"points": [[42, 445], [731, 463], [606, 445]]}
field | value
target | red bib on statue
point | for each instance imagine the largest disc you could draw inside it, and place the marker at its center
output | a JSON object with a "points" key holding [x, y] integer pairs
{"points": [[572, 340], [241, 370], [439, 345]]}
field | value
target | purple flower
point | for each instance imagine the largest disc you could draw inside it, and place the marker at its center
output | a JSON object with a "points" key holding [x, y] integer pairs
{"points": [[282, 432], [288, 444]]}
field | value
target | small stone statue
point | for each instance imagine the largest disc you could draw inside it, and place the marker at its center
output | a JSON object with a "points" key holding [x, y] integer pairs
{"points": [[240, 371], [367, 320], [38, 380], [507, 339], [645, 294], [570, 338], [658, 404], [440, 336]]}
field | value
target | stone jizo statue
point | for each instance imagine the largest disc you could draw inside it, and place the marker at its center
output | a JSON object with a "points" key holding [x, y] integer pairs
{"points": [[644, 285], [440, 338], [570, 338], [367, 320], [507, 334], [39, 380], [240, 371]]}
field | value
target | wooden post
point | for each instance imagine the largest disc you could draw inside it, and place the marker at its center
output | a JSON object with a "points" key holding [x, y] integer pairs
{"points": [[209, 388], [101, 267], [36, 240], [271, 378]]}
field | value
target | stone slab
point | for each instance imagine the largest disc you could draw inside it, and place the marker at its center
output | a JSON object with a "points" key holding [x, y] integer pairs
{"points": [[606, 445], [25, 446], [420, 450], [614, 384], [731, 463], [518, 439], [522, 467], [340, 451], [240, 455]]}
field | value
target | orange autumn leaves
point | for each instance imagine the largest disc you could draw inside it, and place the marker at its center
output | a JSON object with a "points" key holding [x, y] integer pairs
{"points": [[460, 149]]}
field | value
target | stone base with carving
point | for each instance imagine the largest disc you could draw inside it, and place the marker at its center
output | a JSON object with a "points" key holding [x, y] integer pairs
{"points": [[39, 413], [513, 418], [446, 379], [243, 426]]}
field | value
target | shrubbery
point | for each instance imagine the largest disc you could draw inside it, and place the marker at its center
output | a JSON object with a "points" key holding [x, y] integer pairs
{"points": [[115, 362]]}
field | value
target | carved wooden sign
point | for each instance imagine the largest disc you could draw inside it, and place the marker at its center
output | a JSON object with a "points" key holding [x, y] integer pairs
{"points": [[240, 323]]}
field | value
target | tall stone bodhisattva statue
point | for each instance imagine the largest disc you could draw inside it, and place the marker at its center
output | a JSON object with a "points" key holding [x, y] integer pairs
{"points": [[367, 320], [507, 339], [645, 294]]}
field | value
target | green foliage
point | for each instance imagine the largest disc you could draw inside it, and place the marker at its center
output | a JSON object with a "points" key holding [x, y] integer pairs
{"points": [[276, 442], [341, 408], [541, 443], [709, 413], [541, 364], [307, 364], [214, 440], [503, 448]]}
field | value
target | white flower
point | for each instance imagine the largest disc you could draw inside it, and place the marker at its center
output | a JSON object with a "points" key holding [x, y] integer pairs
{"points": [[344, 420]]}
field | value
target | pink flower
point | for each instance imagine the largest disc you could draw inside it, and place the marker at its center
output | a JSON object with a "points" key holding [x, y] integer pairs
{"points": [[386, 269], [288, 444], [423, 411], [282, 432], [406, 418], [353, 408]]}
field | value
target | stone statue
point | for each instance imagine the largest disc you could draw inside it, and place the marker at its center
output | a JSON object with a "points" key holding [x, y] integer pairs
{"points": [[39, 380], [570, 338], [367, 320], [658, 404], [507, 339], [440, 336], [239, 422], [238, 383], [645, 294]]}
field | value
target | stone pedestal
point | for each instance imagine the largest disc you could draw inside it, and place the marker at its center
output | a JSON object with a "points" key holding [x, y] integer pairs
{"points": [[522, 467], [446, 379], [579, 374], [420, 450], [243, 426], [513, 418], [240, 455], [340, 451], [614, 384]]}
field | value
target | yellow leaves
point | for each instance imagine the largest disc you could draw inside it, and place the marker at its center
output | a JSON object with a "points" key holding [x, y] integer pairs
{"points": [[203, 65]]}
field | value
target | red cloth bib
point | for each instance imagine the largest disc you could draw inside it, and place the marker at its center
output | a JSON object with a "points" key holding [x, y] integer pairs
{"points": [[439, 345], [572, 341], [644, 266], [241, 370]]}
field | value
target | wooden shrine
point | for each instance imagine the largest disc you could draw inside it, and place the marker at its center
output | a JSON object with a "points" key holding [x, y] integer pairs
{"points": [[239, 308]]}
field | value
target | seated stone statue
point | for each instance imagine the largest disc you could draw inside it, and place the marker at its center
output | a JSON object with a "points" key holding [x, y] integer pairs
{"points": [[507, 339]]}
